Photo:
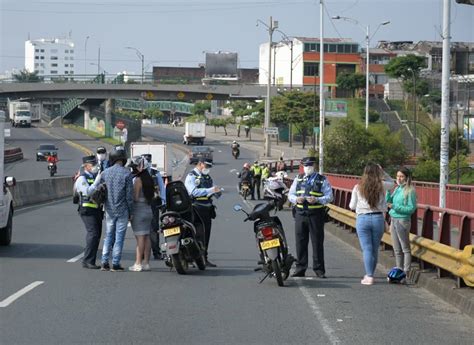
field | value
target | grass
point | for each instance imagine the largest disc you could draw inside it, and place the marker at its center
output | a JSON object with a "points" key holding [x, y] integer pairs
{"points": [[92, 134]]}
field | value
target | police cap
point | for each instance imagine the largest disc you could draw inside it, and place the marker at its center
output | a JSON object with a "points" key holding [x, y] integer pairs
{"points": [[205, 161], [89, 160], [308, 161], [101, 149]]}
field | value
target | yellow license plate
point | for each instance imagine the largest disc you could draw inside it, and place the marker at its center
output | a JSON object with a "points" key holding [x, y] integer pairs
{"points": [[270, 244], [171, 231]]}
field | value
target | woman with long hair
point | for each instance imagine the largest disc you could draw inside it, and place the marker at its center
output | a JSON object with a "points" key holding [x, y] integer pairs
{"points": [[368, 200], [402, 204], [143, 194]]}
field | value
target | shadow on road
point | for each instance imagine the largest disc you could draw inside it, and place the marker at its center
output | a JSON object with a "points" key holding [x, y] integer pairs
{"points": [[40, 251]]}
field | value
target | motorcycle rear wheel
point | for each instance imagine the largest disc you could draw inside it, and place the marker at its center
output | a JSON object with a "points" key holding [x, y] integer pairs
{"points": [[245, 193], [201, 264], [277, 272], [178, 264]]}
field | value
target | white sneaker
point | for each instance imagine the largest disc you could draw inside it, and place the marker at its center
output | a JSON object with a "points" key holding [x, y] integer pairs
{"points": [[367, 280], [146, 267], [135, 268]]}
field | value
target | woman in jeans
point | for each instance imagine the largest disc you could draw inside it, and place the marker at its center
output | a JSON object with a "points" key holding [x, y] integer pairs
{"points": [[143, 193], [368, 200], [402, 204]]}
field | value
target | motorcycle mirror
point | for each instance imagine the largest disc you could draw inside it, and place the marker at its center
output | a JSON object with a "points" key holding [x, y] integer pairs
{"points": [[237, 207]]}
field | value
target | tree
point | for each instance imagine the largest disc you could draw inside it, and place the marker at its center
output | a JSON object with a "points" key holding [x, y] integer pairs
{"points": [[223, 122], [404, 67], [200, 108], [24, 76], [153, 113], [431, 143], [352, 82], [242, 109]]}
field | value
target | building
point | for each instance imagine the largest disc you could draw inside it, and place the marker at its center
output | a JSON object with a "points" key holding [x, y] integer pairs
{"points": [[51, 58], [195, 75], [378, 58], [296, 63]]}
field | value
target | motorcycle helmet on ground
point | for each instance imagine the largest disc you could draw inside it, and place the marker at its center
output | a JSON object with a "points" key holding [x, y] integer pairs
{"points": [[396, 275], [118, 155]]}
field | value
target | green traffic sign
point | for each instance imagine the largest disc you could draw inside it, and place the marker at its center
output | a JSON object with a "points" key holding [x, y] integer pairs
{"points": [[316, 130]]}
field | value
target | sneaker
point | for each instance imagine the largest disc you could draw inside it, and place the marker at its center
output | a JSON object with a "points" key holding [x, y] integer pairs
{"points": [[367, 280], [105, 267], [117, 268], [135, 268], [146, 267]]}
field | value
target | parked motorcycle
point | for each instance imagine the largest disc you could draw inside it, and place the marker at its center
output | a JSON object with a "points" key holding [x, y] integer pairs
{"points": [[53, 169], [275, 189], [271, 241], [177, 225], [236, 152]]}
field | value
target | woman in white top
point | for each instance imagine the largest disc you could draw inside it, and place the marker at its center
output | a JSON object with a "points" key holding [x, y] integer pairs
{"points": [[368, 200]]}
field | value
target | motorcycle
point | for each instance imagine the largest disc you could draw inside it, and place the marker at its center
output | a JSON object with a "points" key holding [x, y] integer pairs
{"points": [[181, 246], [235, 152], [53, 169], [275, 189], [271, 241], [245, 189]]}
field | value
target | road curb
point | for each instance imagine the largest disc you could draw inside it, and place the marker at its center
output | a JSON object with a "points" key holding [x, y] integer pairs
{"points": [[444, 288]]}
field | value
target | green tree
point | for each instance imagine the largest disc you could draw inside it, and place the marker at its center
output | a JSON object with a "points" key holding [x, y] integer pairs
{"points": [[222, 122], [24, 76], [431, 143], [404, 68], [153, 113], [201, 107], [351, 81]]}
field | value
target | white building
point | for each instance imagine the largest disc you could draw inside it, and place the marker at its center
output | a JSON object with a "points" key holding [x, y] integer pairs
{"points": [[50, 57]]}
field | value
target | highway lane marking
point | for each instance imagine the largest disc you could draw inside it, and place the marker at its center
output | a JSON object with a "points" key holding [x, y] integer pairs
{"points": [[68, 142], [76, 258], [9, 300], [330, 332]]}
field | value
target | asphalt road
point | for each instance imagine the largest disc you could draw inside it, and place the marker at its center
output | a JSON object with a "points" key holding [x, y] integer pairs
{"points": [[223, 305], [28, 168]]}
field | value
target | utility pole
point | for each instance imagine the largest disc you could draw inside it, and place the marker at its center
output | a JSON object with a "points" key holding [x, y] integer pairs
{"points": [[321, 87], [444, 149], [273, 25], [367, 74]]}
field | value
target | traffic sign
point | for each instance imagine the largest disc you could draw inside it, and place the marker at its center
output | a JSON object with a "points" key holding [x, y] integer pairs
{"points": [[316, 130], [180, 95], [120, 124], [209, 96], [271, 130]]}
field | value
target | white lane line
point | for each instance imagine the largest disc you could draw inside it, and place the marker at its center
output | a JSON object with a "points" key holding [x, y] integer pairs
{"points": [[330, 332], [76, 258], [9, 300]]}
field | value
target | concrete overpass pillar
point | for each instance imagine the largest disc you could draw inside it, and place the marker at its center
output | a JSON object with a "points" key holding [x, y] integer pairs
{"points": [[87, 116], [109, 109]]}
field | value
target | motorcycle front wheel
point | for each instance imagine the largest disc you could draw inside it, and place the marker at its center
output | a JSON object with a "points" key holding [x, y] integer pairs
{"points": [[277, 272], [178, 264]]}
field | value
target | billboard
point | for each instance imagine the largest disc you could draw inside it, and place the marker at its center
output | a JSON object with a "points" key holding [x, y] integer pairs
{"points": [[336, 108], [221, 64]]}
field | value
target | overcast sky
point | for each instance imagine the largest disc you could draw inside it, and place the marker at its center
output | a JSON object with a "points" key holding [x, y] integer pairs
{"points": [[177, 32]]}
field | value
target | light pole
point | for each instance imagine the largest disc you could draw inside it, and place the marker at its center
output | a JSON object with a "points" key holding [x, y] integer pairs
{"points": [[415, 120], [273, 25], [85, 56], [367, 45], [142, 58]]}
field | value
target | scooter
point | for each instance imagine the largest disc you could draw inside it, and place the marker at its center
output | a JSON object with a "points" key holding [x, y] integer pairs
{"points": [[271, 241], [245, 189], [180, 246], [53, 169], [236, 152]]}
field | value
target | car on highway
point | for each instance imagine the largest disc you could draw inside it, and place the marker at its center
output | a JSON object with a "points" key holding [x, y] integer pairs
{"points": [[44, 150], [6, 212], [198, 152]]}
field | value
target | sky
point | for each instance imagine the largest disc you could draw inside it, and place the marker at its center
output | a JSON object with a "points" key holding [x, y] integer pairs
{"points": [[179, 32]]}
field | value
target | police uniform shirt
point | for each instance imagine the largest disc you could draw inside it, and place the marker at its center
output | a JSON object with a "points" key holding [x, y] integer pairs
{"points": [[192, 187], [83, 187], [326, 189]]}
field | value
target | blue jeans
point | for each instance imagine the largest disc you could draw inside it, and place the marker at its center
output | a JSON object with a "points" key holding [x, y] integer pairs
{"points": [[370, 228], [114, 236]]}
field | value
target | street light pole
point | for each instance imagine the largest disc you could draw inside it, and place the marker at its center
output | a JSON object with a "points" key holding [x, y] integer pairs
{"points": [[414, 111], [142, 59], [85, 56], [321, 87]]}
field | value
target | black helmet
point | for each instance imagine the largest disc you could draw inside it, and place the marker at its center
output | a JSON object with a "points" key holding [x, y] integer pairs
{"points": [[118, 155]]}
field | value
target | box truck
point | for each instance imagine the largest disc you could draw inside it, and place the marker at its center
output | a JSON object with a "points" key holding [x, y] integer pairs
{"points": [[194, 132], [20, 113], [160, 155]]}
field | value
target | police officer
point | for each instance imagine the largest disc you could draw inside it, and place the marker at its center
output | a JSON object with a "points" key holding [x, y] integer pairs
{"points": [[309, 193], [161, 191], [257, 179], [200, 186], [90, 212]]}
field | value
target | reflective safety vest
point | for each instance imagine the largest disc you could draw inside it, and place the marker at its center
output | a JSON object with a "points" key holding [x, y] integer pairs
{"points": [[309, 186], [86, 200], [265, 172], [257, 170], [205, 181]]}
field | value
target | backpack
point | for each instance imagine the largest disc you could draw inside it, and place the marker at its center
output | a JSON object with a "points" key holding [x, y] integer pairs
{"points": [[100, 194]]}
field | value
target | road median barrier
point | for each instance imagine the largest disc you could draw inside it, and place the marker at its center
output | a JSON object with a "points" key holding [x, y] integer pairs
{"points": [[13, 154], [30, 192]]}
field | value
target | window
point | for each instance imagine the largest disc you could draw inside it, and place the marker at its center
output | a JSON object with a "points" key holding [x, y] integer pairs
{"points": [[54, 72], [36, 64], [333, 48], [66, 65], [71, 72], [65, 72], [347, 48], [37, 57], [71, 51], [42, 64], [54, 65], [66, 51], [71, 65], [310, 47], [311, 69], [53, 51], [54, 57], [71, 58], [41, 72], [355, 48], [37, 50], [41, 57], [326, 47], [340, 48], [42, 50]]}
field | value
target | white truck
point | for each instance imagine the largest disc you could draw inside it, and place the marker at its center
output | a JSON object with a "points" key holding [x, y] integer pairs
{"points": [[194, 132], [160, 155], [20, 113], [6, 199]]}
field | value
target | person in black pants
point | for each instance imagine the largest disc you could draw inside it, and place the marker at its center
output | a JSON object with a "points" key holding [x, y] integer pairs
{"points": [[256, 170], [309, 193], [91, 213]]}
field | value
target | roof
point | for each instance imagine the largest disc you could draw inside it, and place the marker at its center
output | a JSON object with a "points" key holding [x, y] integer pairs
{"points": [[325, 40]]}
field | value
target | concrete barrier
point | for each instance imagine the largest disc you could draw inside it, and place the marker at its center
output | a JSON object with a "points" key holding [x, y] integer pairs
{"points": [[13, 154], [32, 192]]}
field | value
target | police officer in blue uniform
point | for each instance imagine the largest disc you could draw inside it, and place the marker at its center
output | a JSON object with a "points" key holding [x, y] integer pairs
{"points": [[200, 186], [309, 193], [91, 213]]}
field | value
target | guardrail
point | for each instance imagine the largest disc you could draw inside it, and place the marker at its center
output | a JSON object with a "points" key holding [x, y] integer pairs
{"points": [[12, 155]]}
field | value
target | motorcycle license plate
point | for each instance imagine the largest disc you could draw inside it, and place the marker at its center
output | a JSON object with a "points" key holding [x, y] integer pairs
{"points": [[171, 231], [270, 244]]}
